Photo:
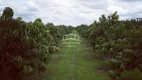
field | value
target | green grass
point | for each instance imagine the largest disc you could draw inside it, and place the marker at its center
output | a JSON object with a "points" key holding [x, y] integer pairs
{"points": [[132, 75], [79, 63], [73, 63]]}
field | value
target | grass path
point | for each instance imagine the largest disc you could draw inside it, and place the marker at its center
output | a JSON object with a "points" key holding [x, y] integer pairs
{"points": [[73, 63], [77, 63]]}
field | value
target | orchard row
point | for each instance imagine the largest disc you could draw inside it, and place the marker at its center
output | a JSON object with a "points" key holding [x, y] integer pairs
{"points": [[26, 47], [118, 42]]}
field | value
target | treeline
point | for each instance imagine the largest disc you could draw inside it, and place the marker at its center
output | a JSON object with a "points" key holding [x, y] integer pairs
{"points": [[26, 47], [118, 42]]}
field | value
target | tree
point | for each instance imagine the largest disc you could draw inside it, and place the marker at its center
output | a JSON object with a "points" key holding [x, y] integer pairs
{"points": [[7, 13], [19, 18], [24, 47], [118, 41]]}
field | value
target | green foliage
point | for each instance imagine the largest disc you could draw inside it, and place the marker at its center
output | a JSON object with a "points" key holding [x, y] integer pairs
{"points": [[19, 18], [7, 13], [120, 41], [112, 74], [27, 70], [24, 46], [83, 29], [57, 32]]}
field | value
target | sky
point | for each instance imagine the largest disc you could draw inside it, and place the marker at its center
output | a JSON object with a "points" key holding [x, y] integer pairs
{"points": [[72, 12]]}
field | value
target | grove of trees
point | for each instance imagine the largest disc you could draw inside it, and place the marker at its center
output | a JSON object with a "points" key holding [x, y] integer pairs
{"points": [[26, 47], [118, 42]]}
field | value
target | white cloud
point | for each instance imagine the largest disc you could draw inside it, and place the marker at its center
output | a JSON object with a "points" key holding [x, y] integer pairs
{"points": [[72, 12]]}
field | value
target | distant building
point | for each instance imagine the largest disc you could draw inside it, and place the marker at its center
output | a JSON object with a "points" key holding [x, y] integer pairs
{"points": [[139, 19]]}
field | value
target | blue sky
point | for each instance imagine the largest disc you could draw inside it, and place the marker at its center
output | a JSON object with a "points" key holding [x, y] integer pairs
{"points": [[72, 12]]}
